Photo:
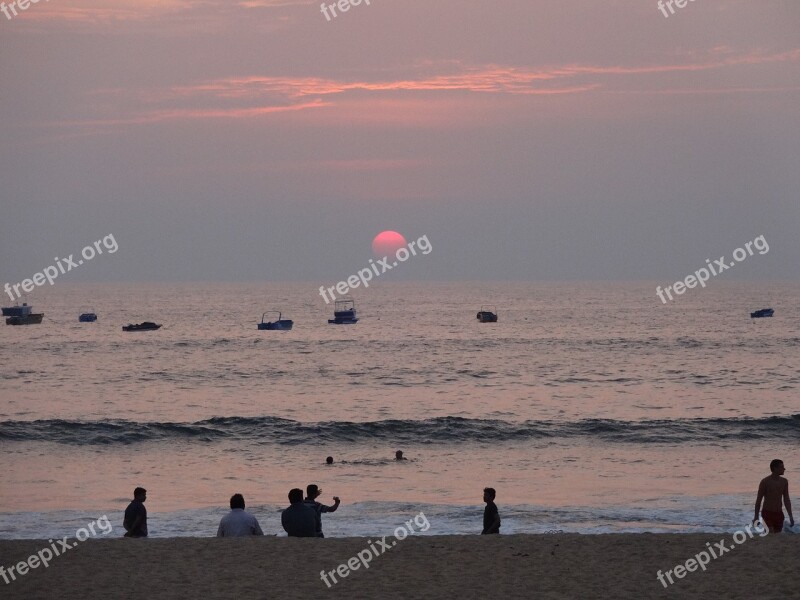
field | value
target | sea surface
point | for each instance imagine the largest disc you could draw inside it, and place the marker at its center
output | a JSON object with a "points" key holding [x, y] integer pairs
{"points": [[590, 407]]}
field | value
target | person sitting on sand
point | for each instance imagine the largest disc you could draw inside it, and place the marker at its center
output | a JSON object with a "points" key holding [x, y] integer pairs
{"points": [[135, 521], [299, 520], [312, 493], [399, 455], [774, 489], [491, 516], [238, 523]]}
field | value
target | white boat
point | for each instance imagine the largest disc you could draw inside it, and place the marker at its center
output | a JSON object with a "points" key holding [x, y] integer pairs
{"points": [[344, 312]]}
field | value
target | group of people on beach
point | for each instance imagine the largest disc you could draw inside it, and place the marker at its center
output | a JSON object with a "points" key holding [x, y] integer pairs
{"points": [[303, 517]]}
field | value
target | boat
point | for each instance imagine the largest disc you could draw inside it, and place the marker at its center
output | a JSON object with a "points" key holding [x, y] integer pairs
{"points": [[17, 311], [344, 312], [277, 324], [487, 314], [764, 312], [88, 316], [146, 326], [26, 319]]}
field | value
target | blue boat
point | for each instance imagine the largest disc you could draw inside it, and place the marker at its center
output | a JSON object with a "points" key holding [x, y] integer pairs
{"points": [[487, 314], [344, 312], [278, 324], [88, 316], [764, 312]]}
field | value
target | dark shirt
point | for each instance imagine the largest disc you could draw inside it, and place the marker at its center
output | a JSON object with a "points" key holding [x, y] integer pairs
{"points": [[134, 510], [319, 508], [489, 515], [300, 520]]}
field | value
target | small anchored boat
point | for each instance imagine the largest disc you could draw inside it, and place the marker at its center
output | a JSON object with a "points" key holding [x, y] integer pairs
{"points": [[87, 316], [487, 314], [146, 326], [17, 310], [764, 312], [21, 315], [26, 319], [278, 324], [344, 312]]}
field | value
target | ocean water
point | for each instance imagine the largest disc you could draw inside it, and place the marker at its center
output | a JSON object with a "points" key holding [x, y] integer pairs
{"points": [[589, 407]]}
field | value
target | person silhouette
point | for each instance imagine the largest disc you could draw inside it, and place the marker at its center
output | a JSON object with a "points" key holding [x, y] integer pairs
{"points": [[238, 523], [774, 491], [299, 520], [312, 493], [135, 521], [491, 517]]}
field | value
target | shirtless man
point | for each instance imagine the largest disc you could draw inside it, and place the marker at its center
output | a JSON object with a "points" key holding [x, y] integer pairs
{"points": [[773, 490]]}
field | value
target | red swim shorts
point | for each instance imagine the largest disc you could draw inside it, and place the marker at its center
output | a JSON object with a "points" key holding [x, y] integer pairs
{"points": [[773, 519]]}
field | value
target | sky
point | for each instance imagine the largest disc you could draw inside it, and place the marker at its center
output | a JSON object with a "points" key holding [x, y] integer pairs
{"points": [[530, 140]]}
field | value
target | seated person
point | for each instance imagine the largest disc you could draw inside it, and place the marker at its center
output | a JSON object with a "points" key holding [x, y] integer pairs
{"points": [[238, 523], [299, 520]]}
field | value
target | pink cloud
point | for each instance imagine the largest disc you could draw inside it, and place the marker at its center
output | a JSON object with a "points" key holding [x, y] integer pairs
{"points": [[102, 12], [431, 99]]}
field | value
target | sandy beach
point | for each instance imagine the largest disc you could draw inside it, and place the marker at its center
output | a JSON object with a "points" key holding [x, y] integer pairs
{"points": [[558, 566]]}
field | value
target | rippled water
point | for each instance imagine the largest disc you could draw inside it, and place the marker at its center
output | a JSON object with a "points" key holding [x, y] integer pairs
{"points": [[590, 407]]}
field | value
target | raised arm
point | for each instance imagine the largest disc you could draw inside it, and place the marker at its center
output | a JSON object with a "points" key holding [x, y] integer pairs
{"points": [[328, 509]]}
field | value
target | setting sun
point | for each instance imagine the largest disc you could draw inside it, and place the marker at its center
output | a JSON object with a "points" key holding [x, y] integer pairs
{"points": [[387, 242]]}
